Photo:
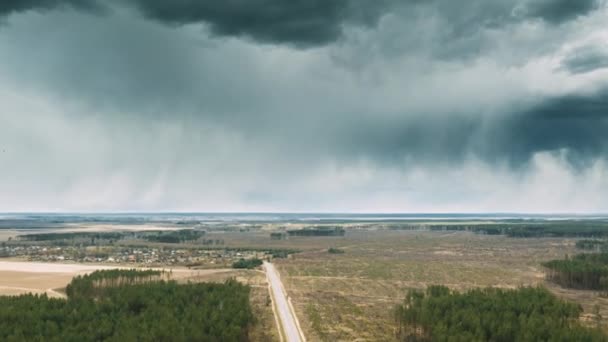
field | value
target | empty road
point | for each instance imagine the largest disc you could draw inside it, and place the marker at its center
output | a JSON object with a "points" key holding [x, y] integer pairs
{"points": [[288, 320]]}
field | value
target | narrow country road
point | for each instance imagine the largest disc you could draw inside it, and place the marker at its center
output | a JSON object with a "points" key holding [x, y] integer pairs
{"points": [[287, 317]]}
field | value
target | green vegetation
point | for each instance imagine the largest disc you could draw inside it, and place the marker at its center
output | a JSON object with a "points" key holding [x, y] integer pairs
{"points": [[91, 238], [93, 285], [583, 271], [81, 237], [333, 250], [146, 311], [594, 244], [558, 230], [533, 230], [175, 236], [525, 314], [281, 253], [317, 231], [274, 252], [316, 321], [248, 264], [278, 236]]}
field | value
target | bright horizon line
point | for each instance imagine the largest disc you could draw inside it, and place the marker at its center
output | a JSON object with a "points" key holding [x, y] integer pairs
{"points": [[301, 213]]}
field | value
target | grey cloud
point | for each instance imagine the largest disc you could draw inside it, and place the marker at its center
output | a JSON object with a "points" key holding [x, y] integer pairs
{"points": [[466, 18], [559, 11], [473, 28], [127, 102], [309, 23], [301, 23], [118, 64], [142, 69], [298, 22], [576, 124], [508, 31], [8, 7], [586, 59]]}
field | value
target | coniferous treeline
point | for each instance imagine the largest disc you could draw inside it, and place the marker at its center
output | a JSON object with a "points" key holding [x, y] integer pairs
{"points": [[558, 230], [518, 230], [582, 271], [94, 284], [70, 236], [90, 238], [249, 263], [334, 250], [278, 236], [524, 314], [149, 311], [592, 244], [317, 231], [175, 236]]}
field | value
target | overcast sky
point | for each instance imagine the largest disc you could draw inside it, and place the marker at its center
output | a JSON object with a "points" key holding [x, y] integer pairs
{"points": [[304, 105]]}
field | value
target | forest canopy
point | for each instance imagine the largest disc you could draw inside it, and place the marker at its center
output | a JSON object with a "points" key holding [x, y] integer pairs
{"points": [[536, 230], [524, 314], [127, 310], [592, 245], [583, 271]]}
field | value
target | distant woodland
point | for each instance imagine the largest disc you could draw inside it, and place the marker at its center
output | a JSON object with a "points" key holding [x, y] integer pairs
{"points": [[92, 238], [587, 271], [317, 231], [126, 306], [524, 314], [592, 245], [521, 230], [248, 264]]}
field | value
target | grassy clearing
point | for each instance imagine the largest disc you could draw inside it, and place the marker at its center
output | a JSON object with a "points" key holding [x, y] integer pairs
{"points": [[350, 296]]}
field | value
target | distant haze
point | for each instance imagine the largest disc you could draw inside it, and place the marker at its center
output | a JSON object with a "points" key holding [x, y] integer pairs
{"points": [[304, 106]]}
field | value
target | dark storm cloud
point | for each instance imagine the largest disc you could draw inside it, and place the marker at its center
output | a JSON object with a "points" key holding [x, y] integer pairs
{"points": [[586, 59], [465, 18], [141, 103], [8, 7], [308, 23], [143, 69], [574, 124], [559, 11], [319, 22], [297, 22]]}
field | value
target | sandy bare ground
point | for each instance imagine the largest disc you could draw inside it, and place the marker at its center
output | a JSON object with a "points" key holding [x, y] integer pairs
{"points": [[6, 234], [41, 267], [16, 283], [35, 277]]}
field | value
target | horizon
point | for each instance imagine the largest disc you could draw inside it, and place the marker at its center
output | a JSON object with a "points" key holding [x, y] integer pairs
{"points": [[305, 212], [312, 215]]}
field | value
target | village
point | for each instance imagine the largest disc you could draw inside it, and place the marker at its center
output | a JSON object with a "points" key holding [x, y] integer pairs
{"points": [[138, 256]]}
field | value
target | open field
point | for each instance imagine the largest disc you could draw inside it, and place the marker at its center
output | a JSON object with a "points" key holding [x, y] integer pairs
{"points": [[30, 277], [6, 234], [24, 277], [350, 296]]}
